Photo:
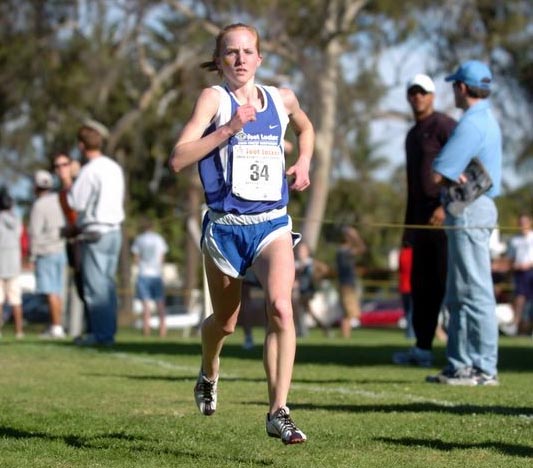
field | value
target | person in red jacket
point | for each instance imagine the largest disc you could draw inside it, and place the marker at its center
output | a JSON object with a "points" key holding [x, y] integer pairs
{"points": [[66, 169], [405, 265]]}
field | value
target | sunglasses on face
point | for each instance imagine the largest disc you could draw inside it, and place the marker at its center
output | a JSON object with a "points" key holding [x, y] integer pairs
{"points": [[58, 165], [416, 90]]}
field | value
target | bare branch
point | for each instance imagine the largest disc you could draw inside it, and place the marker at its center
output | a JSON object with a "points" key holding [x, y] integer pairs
{"points": [[148, 97], [351, 11]]}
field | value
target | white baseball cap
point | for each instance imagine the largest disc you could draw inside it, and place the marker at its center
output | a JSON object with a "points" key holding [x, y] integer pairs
{"points": [[43, 179], [424, 81]]}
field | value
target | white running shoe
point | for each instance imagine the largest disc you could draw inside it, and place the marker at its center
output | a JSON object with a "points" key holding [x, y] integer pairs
{"points": [[53, 333], [483, 379], [281, 425], [205, 394], [460, 377]]}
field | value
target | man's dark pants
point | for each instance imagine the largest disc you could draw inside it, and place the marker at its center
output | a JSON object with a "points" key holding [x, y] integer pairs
{"points": [[428, 283]]}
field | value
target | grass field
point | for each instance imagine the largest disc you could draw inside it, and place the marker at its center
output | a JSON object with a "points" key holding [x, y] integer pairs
{"points": [[132, 406]]}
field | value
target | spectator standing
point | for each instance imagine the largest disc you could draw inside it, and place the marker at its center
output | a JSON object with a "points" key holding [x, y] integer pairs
{"points": [[24, 245], [309, 271], [520, 255], [149, 249], [405, 264], [424, 140], [66, 169], [47, 248], [10, 261], [350, 247], [97, 196], [472, 348]]}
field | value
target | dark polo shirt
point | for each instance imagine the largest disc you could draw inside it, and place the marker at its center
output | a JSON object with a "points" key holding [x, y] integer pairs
{"points": [[422, 144]]}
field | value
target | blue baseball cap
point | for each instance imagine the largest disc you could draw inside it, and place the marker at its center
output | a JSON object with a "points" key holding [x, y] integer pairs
{"points": [[473, 73]]}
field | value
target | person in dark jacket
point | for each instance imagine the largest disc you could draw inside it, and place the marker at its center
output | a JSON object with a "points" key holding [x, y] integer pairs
{"points": [[428, 277]]}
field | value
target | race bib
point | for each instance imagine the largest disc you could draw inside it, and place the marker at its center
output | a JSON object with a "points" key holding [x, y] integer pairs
{"points": [[257, 172]]}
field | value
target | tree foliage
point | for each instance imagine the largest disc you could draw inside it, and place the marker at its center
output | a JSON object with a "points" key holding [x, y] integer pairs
{"points": [[133, 65]]}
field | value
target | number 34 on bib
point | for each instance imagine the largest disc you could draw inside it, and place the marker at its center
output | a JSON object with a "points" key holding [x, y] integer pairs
{"points": [[257, 173]]}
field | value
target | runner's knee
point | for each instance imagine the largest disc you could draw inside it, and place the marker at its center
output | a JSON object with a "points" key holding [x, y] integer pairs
{"points": [[227, 327], [281, 312]]}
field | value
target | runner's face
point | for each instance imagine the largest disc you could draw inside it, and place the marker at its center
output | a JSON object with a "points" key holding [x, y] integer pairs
{"points": [[239, 58]]}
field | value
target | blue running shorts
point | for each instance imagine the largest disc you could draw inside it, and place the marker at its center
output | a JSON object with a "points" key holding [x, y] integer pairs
{"points": [[234, 241]]}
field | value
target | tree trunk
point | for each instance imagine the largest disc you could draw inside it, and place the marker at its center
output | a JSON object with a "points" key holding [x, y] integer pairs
{"points": [[193, 254], [325, 130], [124, 291]]}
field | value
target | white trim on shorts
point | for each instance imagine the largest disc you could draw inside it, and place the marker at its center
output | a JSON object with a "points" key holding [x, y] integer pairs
{"points": [[210, 246], [245, 219]]}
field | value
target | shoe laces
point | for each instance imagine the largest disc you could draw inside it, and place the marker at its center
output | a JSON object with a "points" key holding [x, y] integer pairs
{"points": [[285, 421], [207, 388]]}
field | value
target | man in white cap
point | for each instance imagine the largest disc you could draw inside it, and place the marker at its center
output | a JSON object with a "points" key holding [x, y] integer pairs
{"points": [[48, 249], [472, 159], [97, 196], [428, 276]]}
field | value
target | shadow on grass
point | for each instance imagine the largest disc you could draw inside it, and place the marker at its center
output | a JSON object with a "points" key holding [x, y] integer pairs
{"points": [[512, 358], [123, 441], [437, 444], [70, 440], [422, 407], [192, 378]]}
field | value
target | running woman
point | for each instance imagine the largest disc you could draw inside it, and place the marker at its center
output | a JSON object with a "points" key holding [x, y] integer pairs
{"points": [[236, 135]]}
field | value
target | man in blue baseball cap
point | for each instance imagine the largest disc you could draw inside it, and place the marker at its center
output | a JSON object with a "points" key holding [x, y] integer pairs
{"points": [[470, 165], [473, 73]]}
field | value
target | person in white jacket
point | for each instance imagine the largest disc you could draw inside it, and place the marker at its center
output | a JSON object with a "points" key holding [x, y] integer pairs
{"points": [[10, 260]]}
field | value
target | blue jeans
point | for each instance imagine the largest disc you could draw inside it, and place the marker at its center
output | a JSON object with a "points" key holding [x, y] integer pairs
{"points": [[473, 328], [99, 261]]}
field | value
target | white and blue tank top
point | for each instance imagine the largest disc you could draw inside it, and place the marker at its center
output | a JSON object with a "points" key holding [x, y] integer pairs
{"points": [[246, 175]]}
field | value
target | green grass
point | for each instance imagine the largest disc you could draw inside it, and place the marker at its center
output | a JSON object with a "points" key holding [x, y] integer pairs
{"points": [[132, 406]]}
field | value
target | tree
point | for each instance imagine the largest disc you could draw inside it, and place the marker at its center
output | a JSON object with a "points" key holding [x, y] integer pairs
{"points": [[133, 65], [498, 32]]}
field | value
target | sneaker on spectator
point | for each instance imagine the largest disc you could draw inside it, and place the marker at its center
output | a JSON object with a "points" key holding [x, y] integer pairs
{"points": [[19, 335], [485, 379], [509, 329], [54, 332], [415, 356], [248, 343], [89, 340], [205, 394], [281, 426], [464, 377]]}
